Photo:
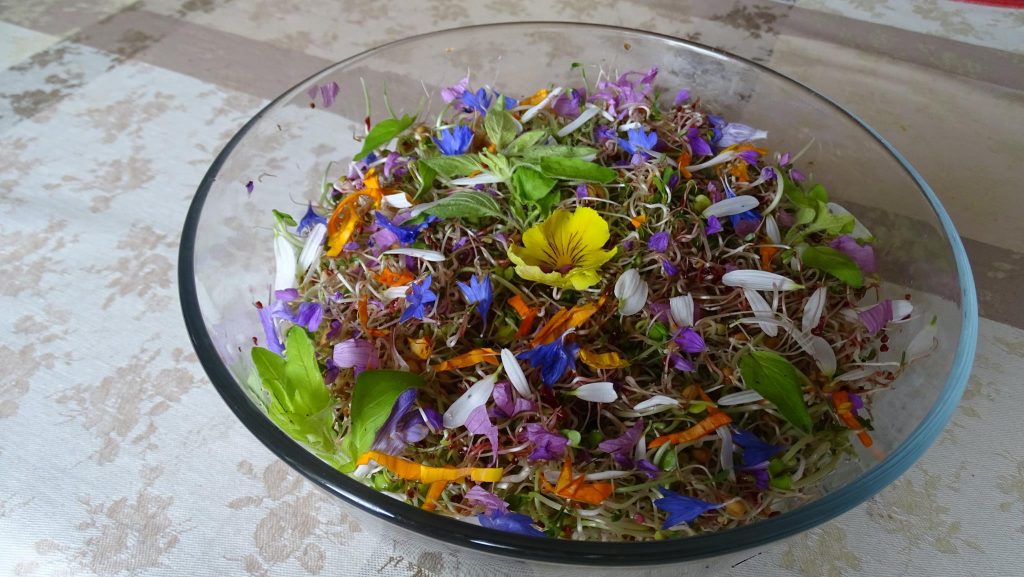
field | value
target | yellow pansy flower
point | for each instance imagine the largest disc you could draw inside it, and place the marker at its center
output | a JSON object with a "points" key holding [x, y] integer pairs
{"points": [[565, 250]]}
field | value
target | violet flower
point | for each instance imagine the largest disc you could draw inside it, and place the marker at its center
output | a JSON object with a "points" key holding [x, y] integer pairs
{"points": [[548, 446], [735, 133], [480, 293], [863, 255], [681, 363], [478, 101], [506, 403], [270, 331], [745, 222], [405, 235], [581, 190], [479, 423], [403, 426], [355, 354], [394, 165], [714, 226], [603, 133], [681, 509], [658, 242], [698, 146], [568, 105], [749, 155], [309, 316], [553, 359], [511, 523], [416, 302], [454, 141], [876, 317], [669, 269], [621, 447], [455, 91], [309, 219], [491, 503], [755, 451], [681, 97], [690, 341]]}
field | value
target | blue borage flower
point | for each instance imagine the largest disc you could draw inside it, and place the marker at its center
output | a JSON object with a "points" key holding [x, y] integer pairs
{"points": [[680, 508], [455, 140], [639, 140], [406, 235], [755, 451], [309, 219], [553, 358], [480, 293], [417, 301], [510, 522]]}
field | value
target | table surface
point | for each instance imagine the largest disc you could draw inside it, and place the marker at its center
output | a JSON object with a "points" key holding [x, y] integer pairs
{"points": [[117, 457]]}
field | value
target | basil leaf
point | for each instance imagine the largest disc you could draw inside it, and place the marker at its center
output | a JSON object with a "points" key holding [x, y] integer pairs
{"points": [[284, 218], [576, 169], [455, 165], [466, 204], [538, 152], [779, 382], [501, 128], [529, 184], [525, 142], [835, 263], [373, 397], [382, 133]]}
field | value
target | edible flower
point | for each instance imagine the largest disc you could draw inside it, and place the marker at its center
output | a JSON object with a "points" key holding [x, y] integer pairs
{"points": [[479, 101], [515, 373], [527, 315], [454, 141], [475, 396], [491, 503], [639, 141], [479, 292], [410, 471], [698, 145], [575, 489], [507, 404], [473, 357], [479, 423], [631, 290], [309, 219], [511, 523], [404, 425], [862, 254], [680, 508], [755, 451], [390, 278], [735, 133], [553, 359], [847, 404], [658, 241], [565, 250], [270, 329], [285, 263], [690, 341], [406, 235], [714, 226], [548, 446], [704, 427], [621, 447], [455, 91], [603, 361], [355, 353], [601, 392], [417, 301]]}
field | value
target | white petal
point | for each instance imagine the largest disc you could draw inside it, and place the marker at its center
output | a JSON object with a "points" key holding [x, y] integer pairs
{"points": [[657, 401], [901, 309], [515, 373], [856, 374], [681, 310], [398, 200], [430, 255], [536, 108], [605, 475], [923, 342], [759, 280], [420, 208], [314, 244], [725, 455], [771, 229], [740, 398], [813, 309], [474, 397], [725, 156], [602, 392], [818, 348], [631, 290], [482, 178], [731, 206], [762, 310], [860, 232], [284, 257], [640, 451], [396, 292], [589, 112]]}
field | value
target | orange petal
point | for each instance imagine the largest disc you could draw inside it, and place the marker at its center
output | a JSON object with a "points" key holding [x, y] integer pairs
{"points": [[609, 360], [433, 493], [534, 98], [390, 278], [638, 221], [767, 254], [526, 313], [705, 427], [410, 471], [592, 493], [422, 347], [473, 357], [564, 320]]}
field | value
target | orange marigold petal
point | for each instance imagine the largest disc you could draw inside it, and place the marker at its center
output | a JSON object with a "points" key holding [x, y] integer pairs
{"points": [[609, 360], [390, 278], [433, 493], [473, 357], [704, 427], [564, 320]]}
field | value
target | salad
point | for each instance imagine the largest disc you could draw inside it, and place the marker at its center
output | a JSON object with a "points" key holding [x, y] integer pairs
{"points": [[594, 312]]}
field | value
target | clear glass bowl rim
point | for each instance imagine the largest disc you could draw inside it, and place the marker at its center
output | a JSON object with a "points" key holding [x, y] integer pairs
{"points": [[609, 554]]}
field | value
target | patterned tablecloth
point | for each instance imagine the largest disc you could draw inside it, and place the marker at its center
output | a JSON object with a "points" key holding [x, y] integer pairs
{"points": [[117, 457]]}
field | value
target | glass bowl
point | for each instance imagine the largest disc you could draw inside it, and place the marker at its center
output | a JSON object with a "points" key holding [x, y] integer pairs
{"points": [[226, 256]]}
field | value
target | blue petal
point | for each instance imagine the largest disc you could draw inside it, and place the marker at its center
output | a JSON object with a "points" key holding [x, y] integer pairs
{"points": [[681, 509], [755, 451], [510, 522], [310, 219]]}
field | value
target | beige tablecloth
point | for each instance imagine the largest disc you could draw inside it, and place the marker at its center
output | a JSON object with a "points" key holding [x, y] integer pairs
{"points": [[117, 457]]}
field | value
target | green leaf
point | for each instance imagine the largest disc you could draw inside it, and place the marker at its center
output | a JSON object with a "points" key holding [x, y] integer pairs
{"points": [[497, 165], [270, 368], [796, 195], [284, 218], [382, 133], [529, 184], [525, 142], [573, 436], [560, 150], [576, 169], [373, 397], [835, 263], [471, 204], [818, 193], [501, 128], [778, 381], [547, 206], [455, 165], [427, 175], [302, 373], [824, 221]]}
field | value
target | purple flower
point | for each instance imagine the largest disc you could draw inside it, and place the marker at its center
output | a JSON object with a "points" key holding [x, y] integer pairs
{"points": [[455, 91], [767, 174], [506, 403], [403, 426], [761, 476], [568, 105], [552, 359], [270, 330], [248, 187], [328, 92], [581, 190], [416, 302], [455, 140], [797, 176], [621, 447], [548, 446], [681, 363], [510, 522], [309, 219], [603, 133], [681, 97], [784, 159], [714, 226], [690, 341], [355, 353], [649, 469], [492, 503], [749, 155], [478, 292], [681, 509], [478, 100], [648, 78], [755, 451], [746, 222], [405, 235], [736, 133], [658, 242], [863, 255], [673, 181], [856, 402], [479, 423], [876, 317], [394, 165], [639, 140], [309, 315], [669, 268], [698, 145]]}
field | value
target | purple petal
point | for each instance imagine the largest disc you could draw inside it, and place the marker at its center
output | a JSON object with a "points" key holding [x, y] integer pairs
{"points": [[658, 242], [450, 93], [387, 439], [623, 445], [248, 187], [287, 295], [581, 190], [270, 331], [479, 423], [477, 495], [856, 402], [507, 404], [510, 522], [355, 353], [680, 508], [714, 226], [797, 176], [310, 315], [681, 97], [690, 341], [328, 92], [669, 268], [863, 255], [548, 446], [736, 133], [876, 317], [681, 363]]}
